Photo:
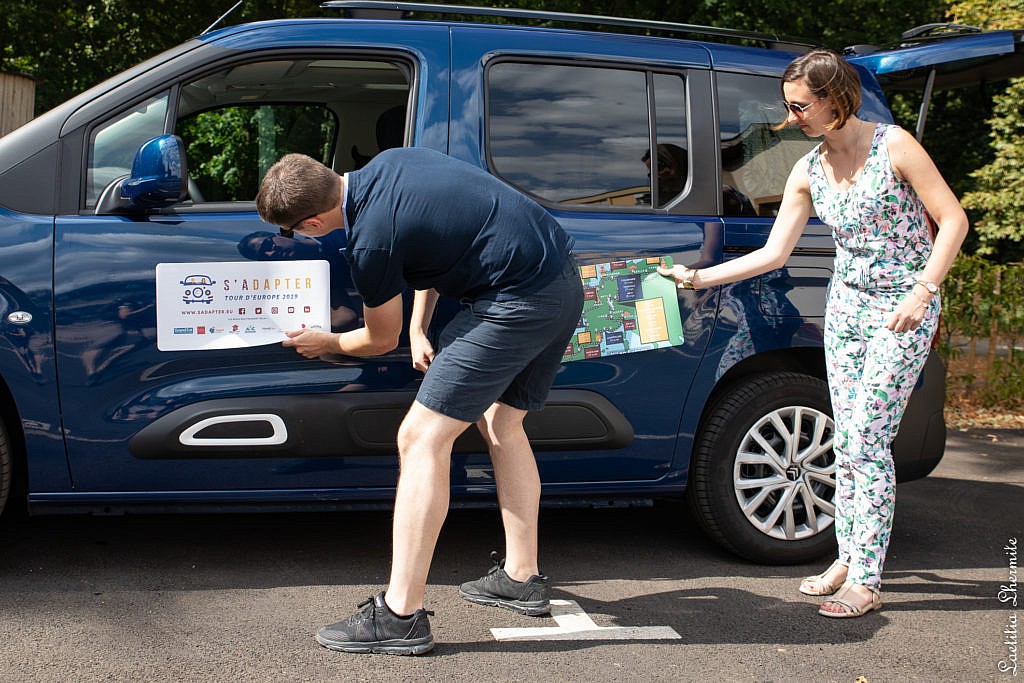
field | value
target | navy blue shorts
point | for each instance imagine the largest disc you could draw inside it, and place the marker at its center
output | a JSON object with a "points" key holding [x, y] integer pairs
{"points": [[506, 351]]}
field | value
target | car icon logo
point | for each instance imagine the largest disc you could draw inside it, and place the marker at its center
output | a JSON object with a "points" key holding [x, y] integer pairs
{"points": [[197, 289]]}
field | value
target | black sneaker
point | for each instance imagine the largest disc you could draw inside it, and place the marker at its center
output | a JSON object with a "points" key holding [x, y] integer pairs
{"points": [[378, 630], [531, 597]]}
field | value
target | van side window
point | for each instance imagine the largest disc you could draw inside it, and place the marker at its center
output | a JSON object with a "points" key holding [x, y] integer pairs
{"points": [[581, 135], [670, 123], [757, 155], [238, 121], [112, 145]]}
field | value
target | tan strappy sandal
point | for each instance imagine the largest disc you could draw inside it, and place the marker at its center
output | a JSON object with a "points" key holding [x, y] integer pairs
{"points": [[849, 609], [817, 585]]}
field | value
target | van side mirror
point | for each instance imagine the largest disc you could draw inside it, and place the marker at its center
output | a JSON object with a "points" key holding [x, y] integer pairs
{"points": [[159, 177]]}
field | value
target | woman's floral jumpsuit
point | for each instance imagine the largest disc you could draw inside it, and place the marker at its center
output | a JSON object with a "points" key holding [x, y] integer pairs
{"points": [[882, 245]]}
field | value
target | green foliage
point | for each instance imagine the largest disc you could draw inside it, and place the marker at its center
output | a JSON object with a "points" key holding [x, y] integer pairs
{"points": [[236, 145], [73, 45], [982, 300], [223, 141], [998, 197], [847, 22], [988, 13], [1006, 384], [953, 117], [995, 201], [843, 23]]}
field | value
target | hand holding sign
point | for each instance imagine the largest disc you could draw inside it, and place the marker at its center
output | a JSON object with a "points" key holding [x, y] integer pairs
{"points": [[239, 304], [312, 343]]}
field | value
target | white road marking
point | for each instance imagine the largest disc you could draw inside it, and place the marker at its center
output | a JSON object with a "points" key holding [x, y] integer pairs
{"points": [[574, 624]]}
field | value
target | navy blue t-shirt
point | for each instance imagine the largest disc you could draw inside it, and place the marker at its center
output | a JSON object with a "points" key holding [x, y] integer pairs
{"points": [[418, 218]]}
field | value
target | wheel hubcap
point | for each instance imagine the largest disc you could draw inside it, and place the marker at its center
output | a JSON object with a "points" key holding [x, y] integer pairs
{"points": [[785, 473]]}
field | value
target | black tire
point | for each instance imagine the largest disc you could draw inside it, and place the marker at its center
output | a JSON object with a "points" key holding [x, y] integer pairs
{"points": [[6, 469], [786, 514]]}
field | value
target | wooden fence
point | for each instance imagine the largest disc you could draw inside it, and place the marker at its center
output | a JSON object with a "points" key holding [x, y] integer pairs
{"points": [[983, 330], [17, 101]]}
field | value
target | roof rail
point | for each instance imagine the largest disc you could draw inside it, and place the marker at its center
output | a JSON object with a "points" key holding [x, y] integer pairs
{"points": [[937, 32], [926, 33], [772, 40]]}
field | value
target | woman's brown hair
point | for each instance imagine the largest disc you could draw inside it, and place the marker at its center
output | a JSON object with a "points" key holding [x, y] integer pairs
{"points": [[828, 76]]}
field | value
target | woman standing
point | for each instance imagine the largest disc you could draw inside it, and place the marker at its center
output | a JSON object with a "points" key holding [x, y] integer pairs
{"points": [[874, 185]]}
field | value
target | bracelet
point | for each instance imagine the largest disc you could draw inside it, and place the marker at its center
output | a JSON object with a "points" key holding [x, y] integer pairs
{"points": [[687, 279], [924, 302]]}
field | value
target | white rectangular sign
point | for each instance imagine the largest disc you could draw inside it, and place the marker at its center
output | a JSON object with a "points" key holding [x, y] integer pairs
{"points": [[233, 305]]}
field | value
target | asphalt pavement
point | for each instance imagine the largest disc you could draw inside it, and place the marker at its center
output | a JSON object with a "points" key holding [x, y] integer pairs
{"points": [[643, 595]]}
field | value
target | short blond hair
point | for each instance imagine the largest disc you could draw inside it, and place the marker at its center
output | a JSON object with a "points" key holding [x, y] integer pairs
{"points": [[830, 77], [296, 187]]}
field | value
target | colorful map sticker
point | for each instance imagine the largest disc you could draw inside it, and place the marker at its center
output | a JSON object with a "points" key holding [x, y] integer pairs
{"points": [[627, 307]]}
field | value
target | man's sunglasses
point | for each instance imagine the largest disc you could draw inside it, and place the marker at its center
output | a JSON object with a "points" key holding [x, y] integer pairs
{"points": [[798, 109], [290, 230]]}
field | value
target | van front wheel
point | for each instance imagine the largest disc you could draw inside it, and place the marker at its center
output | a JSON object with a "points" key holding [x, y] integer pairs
{"points": [[6, 469], [762, 477]]}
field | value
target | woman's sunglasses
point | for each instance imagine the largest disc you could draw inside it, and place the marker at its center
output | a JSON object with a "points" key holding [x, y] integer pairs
{"points": [[798, 109]]}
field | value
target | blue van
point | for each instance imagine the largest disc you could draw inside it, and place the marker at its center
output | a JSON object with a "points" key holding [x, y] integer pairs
{"points": [[161, 163]]}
